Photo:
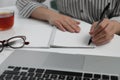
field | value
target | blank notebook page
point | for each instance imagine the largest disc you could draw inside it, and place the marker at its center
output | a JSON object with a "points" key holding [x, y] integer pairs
{"points": [[67, 39], [37, 33]]}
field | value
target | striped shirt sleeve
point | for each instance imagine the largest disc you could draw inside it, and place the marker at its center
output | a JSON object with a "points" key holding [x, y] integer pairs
{"points": [[26, 7], [116, 18]]}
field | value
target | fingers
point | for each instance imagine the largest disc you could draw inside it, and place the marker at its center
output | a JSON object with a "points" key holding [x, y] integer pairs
{"points": [[65, 23], [68, 25], [92, 28], [101, 26], [104, 33], [103, 41], [71, 25], [59, 26], [107, 31], [74, 25]]}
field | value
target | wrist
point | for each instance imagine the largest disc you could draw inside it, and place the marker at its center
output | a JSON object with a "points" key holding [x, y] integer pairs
{"points": [[51, 14], [117, 25]]}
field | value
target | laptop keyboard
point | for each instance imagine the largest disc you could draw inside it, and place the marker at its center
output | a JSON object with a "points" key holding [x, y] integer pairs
{"points": [[25, 73]]}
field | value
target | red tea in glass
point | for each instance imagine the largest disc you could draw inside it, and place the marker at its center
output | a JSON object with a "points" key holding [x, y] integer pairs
{"points": [[6, 19]]}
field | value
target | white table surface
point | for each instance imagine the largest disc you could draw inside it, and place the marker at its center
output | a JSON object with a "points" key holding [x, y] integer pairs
{"points": [[111, 49]]}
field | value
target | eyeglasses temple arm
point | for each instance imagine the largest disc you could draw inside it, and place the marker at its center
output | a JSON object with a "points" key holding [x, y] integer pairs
{"points": [[27, 43]]}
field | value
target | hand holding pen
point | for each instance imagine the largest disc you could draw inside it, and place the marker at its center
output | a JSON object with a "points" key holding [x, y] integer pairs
{"points": [[103, 31]]}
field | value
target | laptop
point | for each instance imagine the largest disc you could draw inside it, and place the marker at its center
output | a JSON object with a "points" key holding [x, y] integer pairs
{"points": [[37, 65]]}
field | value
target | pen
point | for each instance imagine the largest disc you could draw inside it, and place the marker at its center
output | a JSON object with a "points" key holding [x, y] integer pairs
{"points": [[102, 16]]}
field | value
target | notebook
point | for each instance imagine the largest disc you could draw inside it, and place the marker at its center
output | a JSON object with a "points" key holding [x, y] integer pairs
{"points": [[43, 35], [60, 39]]}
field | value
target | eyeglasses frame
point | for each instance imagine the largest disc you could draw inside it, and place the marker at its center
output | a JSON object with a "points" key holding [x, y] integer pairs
{"points": [[5, 43]]}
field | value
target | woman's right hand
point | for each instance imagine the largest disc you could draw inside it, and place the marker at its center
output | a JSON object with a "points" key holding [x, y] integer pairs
{"points": [[64, 23]]}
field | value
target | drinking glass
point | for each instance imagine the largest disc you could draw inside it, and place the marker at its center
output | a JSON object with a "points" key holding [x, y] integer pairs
{"points": [[6, 19]]}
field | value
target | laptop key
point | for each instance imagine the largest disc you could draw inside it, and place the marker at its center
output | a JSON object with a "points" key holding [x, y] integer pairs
{"points": [[2, 76], [11, 67], [78, 78], [11, 72], [30, 74], [61, 77], [95, 79], [39, 70], [16, 77], [23, 73], [88, 75], [53, 76], [25, 68], [114, 78], [97, 76], [24, 78], [7, 79], [17, 69], [32, 78], [40, 79], [38, 75], [9, 76], [31, 70], [46, 76], [70, 77], [47, 79], [86, 78], [2, 79], [63, 72], [105, 77]]}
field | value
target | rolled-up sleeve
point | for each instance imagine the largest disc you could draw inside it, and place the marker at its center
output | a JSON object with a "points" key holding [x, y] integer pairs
{"points": [[26, 7], [116, 18]]}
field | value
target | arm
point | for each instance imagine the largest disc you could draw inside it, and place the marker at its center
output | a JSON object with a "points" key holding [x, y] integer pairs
{"points": [[26, 7], [36, 10]]}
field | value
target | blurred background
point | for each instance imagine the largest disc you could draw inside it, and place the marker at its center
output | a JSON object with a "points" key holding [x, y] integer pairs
{"points": [[6, 3]]}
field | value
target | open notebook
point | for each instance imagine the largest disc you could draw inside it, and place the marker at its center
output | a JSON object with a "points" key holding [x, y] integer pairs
{"points": [[41, 35], [61, 39]]}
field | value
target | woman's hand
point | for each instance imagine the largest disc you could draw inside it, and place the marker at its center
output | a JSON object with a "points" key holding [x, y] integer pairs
{"points": [[104, 33], [64, 23]]}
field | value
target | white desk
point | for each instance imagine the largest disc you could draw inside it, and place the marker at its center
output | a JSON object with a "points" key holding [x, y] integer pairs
{"points": [[111, 49]]}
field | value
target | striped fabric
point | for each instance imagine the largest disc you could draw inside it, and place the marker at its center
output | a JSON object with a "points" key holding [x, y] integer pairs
{"points": [[26, 7], [87, 10]]}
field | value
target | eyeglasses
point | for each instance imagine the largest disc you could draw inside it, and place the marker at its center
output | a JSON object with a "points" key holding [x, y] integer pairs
{"points": [[13, 42]]}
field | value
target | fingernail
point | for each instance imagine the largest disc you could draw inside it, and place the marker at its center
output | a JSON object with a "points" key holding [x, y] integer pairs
{"points": [[64, 30], [78, 22], [93, 39], [90, 32], [73, 31], [77, 31]]}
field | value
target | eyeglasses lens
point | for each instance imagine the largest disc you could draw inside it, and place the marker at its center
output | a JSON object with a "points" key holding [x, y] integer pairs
{"points": [[16, 42]]}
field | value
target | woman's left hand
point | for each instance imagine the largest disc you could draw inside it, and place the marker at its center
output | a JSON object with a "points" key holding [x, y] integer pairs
{"points": [[104, 33]]}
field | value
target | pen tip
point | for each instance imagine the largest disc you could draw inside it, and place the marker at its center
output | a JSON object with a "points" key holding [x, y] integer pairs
{"points": [[90, 41]]}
